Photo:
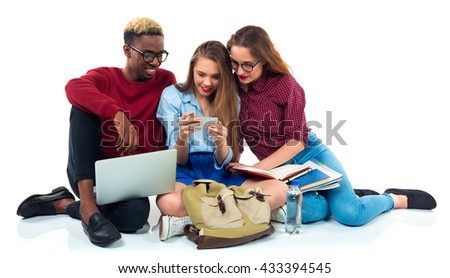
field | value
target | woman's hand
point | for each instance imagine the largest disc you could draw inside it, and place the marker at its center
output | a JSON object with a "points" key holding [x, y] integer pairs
{"points": [[188, 124], [219, 132], [232, 164]]}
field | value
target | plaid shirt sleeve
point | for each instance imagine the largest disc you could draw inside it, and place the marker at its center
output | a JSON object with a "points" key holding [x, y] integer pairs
{"points": [[293, 97], [272, 113]]}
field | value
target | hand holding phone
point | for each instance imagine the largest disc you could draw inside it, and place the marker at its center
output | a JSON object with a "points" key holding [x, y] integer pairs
{"points": [[206, 121]]}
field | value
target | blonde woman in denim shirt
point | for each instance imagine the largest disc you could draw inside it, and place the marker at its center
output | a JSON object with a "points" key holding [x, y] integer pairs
{"points": [[204, 153]]}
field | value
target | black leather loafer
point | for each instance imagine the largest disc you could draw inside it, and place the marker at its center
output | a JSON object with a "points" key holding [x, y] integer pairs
{"points": [[365, 192], [417, 199], [101, 231], [41, 204]]}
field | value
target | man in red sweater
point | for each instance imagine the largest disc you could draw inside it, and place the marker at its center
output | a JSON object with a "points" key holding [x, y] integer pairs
{"points": [[113, 114]]}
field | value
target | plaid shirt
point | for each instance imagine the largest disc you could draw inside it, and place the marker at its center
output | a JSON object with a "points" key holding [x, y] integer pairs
{"points": [[271, 113]]}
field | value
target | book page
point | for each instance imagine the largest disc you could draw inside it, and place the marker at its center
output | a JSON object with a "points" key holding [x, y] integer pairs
{"points": [[255, 171], [288, 170]]}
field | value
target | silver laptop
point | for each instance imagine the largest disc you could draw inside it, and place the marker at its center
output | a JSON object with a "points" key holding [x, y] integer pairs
{"points": [[135, 176]]}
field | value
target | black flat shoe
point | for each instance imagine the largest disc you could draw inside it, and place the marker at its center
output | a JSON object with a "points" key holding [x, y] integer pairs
{"points": [[101, 231], [417, 199], [365, 192], [41, 204]]}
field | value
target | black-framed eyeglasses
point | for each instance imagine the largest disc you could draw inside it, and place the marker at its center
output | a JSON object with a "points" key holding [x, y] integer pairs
{"points": [[245, 67], [149, 56]]}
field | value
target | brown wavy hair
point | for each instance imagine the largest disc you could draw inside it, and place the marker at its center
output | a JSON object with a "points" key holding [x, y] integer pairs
{"points": [[224, 99], [261, 47]]}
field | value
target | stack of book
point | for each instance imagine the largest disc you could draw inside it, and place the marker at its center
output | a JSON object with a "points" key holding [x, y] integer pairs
{"points": [[312, 175], [321, 177]]}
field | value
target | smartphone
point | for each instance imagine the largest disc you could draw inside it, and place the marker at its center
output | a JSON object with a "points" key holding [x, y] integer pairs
{"points": [[206, 121]]}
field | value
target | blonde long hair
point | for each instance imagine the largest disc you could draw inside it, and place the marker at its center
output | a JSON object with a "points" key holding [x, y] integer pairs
{"points": [[224, 99]]}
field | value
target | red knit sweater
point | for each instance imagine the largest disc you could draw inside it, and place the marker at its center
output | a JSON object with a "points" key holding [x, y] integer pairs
{"points": [[104, 91]]}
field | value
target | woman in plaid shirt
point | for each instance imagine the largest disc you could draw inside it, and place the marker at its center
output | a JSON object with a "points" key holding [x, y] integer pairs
{"points": [[273, 123]]}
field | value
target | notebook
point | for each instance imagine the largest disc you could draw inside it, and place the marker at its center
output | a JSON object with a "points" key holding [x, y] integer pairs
{"points": [[135, 176]]}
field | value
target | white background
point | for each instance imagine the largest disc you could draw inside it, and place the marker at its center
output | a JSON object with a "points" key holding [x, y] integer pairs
{"points": [[382, 66]]}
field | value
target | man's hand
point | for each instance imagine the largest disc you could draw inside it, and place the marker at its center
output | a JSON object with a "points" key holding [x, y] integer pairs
{"points": [[127, 141]]}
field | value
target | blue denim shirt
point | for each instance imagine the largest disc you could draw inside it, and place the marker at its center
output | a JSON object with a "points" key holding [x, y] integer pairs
{"points": [[172, 105]]}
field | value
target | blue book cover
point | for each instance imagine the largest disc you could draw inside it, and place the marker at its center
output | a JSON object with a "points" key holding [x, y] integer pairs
{"points": [[312, 178]]}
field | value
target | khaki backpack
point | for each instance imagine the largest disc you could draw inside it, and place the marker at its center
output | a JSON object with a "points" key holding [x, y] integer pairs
{"points": [[225, 216]]}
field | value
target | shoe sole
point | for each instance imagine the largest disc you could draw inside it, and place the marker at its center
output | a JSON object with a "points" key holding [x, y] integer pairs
{"points": [[163, 228], [105, 244], [54, 191]]}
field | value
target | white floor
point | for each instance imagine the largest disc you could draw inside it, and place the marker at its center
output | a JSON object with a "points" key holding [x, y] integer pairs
{"points": [[404, 242]]}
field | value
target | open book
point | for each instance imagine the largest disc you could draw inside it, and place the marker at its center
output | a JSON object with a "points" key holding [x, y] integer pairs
{"points": [[284, 173]]}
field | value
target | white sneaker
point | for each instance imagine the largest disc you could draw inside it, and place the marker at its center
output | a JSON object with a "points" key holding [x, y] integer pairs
{"points": [[171, 226], [279, 214]]}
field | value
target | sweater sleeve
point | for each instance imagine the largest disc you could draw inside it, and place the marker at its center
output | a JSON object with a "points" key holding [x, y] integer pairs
{"points": [[88, 93]]}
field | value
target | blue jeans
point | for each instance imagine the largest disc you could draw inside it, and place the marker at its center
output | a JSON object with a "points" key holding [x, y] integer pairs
{"points": [[341, 202]]}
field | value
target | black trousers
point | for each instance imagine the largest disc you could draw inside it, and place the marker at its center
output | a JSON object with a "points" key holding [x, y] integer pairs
{"points": [[84, 149]]}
